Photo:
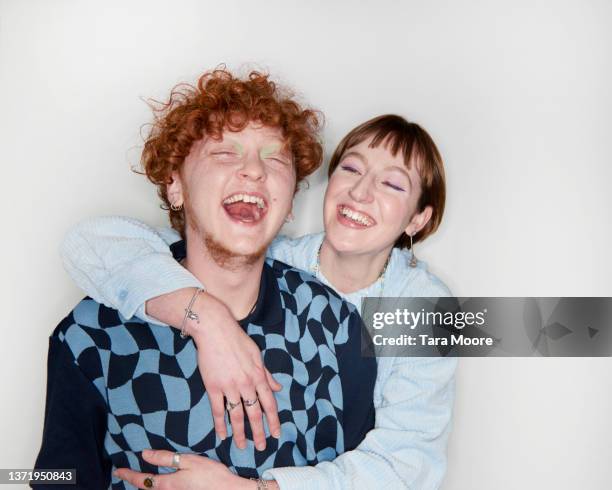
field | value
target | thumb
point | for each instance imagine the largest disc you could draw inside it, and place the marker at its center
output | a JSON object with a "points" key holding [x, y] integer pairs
{"points": [[158, 457], [275, 385]]}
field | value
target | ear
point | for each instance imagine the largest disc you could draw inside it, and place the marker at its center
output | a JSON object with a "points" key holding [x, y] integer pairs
{"points": [[419, 220], [174, 190]]}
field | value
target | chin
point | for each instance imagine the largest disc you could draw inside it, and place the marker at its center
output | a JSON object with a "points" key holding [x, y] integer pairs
{"points": [[245, 248], [342, 244]]}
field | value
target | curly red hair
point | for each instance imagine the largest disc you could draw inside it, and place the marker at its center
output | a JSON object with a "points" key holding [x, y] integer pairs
{"points": [[221, 101]]}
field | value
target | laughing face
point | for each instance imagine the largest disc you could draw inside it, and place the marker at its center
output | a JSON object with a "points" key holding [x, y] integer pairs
{"points": [[237, 191], [371, 199]]}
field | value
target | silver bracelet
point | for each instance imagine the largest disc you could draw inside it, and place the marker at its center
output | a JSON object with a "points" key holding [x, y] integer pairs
{"points": [[189, 314], [261, 483]]}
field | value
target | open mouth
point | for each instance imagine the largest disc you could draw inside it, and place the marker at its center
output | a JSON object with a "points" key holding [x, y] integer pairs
{"points": [[353, 218], [247, 208]]}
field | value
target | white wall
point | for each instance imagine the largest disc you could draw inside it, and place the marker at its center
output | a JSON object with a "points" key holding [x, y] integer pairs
{"points": [[516, 93]]}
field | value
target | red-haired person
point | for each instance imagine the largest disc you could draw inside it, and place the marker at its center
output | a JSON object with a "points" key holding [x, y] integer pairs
{"points": [[386, 193], [226, 156]]}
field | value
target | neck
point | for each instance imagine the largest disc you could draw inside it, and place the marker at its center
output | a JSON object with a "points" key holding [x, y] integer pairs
{"points": [[233, 282], [347, 272]]}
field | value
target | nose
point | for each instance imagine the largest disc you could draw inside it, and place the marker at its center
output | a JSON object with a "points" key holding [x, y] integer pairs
{"points": [[362, 190], [253, 169]]}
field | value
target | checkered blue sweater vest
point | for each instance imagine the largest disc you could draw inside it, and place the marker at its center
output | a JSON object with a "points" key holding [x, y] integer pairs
{"points": [[148, 378]]}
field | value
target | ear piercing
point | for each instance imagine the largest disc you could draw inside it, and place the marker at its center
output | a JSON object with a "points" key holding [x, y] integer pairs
{"points": [[413, 260]]}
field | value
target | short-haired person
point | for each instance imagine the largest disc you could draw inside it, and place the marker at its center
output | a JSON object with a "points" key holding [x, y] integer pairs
{"points": [[226, 156], [386, 192]]}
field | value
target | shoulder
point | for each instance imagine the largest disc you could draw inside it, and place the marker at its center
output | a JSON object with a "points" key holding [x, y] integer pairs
{"points": [[300, 252], [410, 281], [84, 342], [304, 294], [86, 320], [92, 331]]}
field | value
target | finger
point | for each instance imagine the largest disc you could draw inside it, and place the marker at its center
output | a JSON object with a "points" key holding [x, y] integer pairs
{"points": [[253, 412], [138, 479], [236, 416], [218, 411], [268, 405], [275, 385], [161, 457]]}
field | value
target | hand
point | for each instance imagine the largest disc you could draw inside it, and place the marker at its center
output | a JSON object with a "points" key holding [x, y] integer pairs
{"points": [[229, 361], [231, 365], [196, 472]]}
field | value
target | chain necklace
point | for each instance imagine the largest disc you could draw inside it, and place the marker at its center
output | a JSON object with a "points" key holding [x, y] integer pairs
{"points": [[316, 270]]}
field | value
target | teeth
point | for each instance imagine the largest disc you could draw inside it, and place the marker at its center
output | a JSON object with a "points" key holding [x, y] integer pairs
{"points": [[355, 216], [245, 198]]}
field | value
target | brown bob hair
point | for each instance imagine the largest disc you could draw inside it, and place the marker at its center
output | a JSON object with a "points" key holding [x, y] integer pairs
{"points": [[221, 101], [417, 147]]}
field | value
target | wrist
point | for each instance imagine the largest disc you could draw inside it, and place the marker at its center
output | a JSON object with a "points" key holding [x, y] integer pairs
{"points": [[259, 484], [245, 484], [191, 318], [211, 312]]}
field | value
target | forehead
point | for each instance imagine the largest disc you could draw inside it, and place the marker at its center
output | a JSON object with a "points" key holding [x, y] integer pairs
{"points": [[253, 132], [382, 156]]}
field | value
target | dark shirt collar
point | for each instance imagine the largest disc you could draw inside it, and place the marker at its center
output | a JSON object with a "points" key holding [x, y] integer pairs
{"points": [[268, 307]]}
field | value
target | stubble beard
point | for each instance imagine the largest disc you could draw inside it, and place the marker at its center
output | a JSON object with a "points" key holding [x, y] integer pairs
{"points": [[221, 255], [229, 260]]}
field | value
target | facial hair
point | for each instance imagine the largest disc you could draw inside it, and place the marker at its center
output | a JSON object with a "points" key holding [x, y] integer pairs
{"points": [[227, 259], [221, 255]]}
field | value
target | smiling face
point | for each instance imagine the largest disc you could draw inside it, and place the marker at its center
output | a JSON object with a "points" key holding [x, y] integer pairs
{"points": [[237, 191], [371, 199]]}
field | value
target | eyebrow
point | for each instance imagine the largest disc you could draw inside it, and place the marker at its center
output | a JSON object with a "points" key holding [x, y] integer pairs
{"points": [[391, 167], [400, 169], [236, 145], [277, 147], [355, 154]]}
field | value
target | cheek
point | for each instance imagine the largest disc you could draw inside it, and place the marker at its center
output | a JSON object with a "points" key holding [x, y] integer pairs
{"points": [[283, 184], [203, 188], [397, 212], [337, 183], [336, 187]]}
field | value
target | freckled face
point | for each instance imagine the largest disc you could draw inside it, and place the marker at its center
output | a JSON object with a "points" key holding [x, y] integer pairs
{"points": [[370, 199], [238, 190]]}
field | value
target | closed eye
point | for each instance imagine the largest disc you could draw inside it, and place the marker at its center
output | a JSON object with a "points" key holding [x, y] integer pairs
{"points": [[348, 168], [393, 186], [279, 160]]}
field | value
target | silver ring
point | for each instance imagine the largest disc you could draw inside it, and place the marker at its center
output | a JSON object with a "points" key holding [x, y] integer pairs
{"points": [[176, 460], [250, 403], [229, 406]]}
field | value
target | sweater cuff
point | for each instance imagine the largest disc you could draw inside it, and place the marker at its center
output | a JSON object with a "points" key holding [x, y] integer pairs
{"points": [[148, 277], [292, 478]]}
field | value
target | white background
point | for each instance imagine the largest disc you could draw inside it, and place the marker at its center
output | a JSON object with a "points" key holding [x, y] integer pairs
{"points": [[515, 93]]}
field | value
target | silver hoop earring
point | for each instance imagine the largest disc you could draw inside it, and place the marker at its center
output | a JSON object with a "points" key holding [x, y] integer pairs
{"points": [[176, 208], [413, 260]]}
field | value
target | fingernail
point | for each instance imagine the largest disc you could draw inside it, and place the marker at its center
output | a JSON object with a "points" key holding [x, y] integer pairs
{"points": [[276, 434], [261, 446]]}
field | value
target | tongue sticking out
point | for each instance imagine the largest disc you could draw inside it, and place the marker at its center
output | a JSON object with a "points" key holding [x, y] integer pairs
{"points": [[243, 211]]}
